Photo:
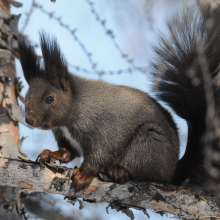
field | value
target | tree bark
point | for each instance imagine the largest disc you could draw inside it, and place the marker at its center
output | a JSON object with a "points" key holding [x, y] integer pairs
{"points": [[9, 132], [163, 199]]}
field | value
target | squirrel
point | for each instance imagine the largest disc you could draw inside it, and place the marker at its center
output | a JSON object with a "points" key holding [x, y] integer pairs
{"points": [[121, 131]]}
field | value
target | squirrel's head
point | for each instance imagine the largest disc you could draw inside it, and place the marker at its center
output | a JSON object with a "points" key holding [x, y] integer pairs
{"points": [[49, 96]]}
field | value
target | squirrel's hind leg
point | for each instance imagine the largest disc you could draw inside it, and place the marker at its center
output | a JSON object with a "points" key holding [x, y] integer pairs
{"points": [[118, 174]]}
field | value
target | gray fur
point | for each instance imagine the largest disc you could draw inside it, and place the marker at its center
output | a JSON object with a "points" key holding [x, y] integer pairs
{"points": [[112, 126]]}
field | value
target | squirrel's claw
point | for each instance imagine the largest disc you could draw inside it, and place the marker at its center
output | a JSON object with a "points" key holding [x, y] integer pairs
{"points": [[81, 179], [44, 156], [118, 174], [62, 155]]}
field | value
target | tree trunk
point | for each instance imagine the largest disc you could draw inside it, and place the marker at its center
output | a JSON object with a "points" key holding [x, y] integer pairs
{"points": [[9, 132]]}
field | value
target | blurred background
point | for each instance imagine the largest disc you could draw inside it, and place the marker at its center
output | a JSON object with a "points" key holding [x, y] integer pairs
{"points": [[101, 40]]}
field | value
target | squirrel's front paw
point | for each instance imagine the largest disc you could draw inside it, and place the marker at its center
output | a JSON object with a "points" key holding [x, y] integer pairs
{"points": [[62, 155], [81, 179]]}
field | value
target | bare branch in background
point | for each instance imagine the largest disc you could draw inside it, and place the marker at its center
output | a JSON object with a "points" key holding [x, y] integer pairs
{"points": [[44, 206], [111, 34], [108, 72], [77, 68], [72, 32], [28, 16]]}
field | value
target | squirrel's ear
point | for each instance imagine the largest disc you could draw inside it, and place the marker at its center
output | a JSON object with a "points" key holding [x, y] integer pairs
{"points": [[54, 63], [29, 62]]}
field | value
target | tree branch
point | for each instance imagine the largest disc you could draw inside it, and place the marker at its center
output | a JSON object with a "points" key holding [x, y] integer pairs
{"points": [[34, 177]]}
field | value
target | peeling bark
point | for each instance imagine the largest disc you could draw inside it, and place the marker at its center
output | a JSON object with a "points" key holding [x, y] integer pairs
{"points": [[9, 132], [163, 199]]}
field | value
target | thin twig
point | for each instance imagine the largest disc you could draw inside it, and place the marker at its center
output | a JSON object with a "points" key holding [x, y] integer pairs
{"points": [[28, 16], [108, 72], [82, 46], [99, 72], [72, 32], [111, 34]]}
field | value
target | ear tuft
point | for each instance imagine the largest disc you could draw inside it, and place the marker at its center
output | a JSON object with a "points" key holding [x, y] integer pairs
{"points": [[29, 62], [54, 63]]}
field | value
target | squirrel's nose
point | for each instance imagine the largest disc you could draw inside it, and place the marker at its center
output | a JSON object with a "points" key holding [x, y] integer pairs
{"points": [[30, 121]]}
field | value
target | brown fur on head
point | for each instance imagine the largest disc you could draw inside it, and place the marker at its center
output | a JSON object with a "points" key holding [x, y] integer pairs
{"points": [[49, 96], [46, 106]]}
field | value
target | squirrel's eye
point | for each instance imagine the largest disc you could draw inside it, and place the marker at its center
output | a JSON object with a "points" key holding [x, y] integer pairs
{"points": [[49, 99]]}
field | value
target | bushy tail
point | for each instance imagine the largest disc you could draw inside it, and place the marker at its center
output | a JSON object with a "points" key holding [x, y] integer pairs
{"points": [[186, 67]]}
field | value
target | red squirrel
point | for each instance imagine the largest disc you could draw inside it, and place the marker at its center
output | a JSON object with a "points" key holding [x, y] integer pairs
{"points": [[122, 131]]}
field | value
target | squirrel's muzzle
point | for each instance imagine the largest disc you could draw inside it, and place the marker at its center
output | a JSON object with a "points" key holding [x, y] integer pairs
{"points": [[31, 121]]}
